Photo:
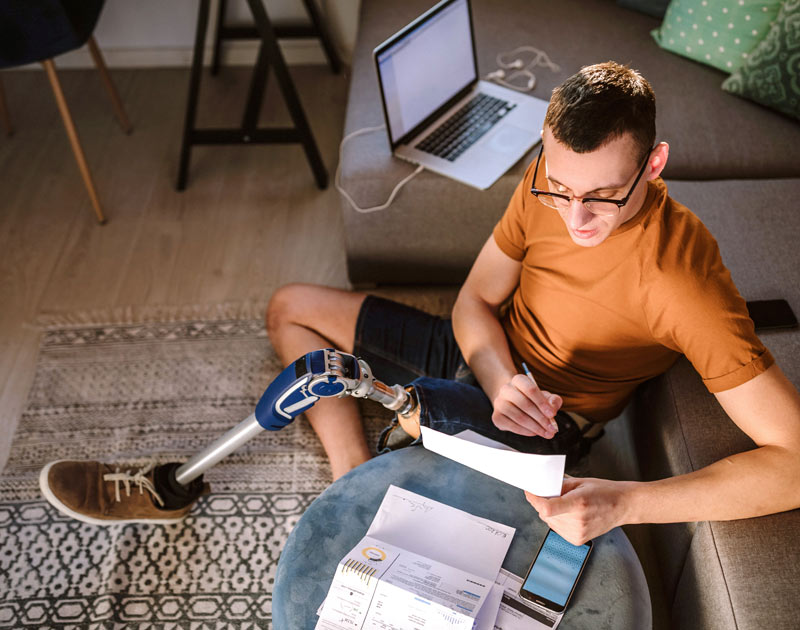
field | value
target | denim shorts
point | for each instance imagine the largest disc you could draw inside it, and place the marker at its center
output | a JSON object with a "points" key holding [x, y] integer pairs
{"points": [[407, 346]]}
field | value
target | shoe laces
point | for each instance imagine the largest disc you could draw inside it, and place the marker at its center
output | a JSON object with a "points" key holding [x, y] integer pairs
{"points": [[139, 478]]}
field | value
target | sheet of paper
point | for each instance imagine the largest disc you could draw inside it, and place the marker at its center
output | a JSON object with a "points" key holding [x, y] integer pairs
{"points": [[380, 586], [487, 615], [476, 438], [503, 609], [442, 533], [516, 613], [539, 474]]}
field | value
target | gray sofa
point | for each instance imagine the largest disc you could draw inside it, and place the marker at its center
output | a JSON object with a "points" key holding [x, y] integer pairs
{"points": [[734, 163]]}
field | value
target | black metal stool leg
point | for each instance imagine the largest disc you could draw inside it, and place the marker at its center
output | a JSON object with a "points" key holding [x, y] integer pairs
{"points": [[289, 94], [258, 85], [269, 55], [324, 36], [194, 93], [221, 10]]}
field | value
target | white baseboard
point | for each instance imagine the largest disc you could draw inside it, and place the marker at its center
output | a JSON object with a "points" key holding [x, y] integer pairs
{"points": [[235, 53]]}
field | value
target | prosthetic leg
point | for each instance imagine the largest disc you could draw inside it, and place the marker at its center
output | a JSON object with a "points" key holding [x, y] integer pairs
{"points": [[319, 374]]}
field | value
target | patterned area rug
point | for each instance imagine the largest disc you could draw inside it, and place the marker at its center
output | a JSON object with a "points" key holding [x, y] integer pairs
{"points": [[130, 394]]}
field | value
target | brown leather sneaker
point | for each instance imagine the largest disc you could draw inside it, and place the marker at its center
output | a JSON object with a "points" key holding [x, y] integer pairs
{"points": [[95, 493]]}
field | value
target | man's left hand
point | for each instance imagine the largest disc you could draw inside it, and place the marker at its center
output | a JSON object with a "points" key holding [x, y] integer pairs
{"points": [[586, 509]]}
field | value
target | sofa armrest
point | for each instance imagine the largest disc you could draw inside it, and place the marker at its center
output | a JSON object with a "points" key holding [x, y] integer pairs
{"points": [[734, 574]]}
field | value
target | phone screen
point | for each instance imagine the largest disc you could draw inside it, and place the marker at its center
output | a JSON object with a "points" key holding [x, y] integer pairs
{"points": [[555, 571]]}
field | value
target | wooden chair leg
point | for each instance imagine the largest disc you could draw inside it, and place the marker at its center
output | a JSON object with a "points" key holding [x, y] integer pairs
{"points": [[116, 101], [50, 67], [5, 118]]}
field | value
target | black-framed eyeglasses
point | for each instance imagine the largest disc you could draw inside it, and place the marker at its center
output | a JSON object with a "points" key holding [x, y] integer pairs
{"points": [[600, 207]]}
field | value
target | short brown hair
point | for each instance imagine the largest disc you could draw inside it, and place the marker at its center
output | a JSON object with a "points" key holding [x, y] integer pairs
{"points": [[600, 103]]}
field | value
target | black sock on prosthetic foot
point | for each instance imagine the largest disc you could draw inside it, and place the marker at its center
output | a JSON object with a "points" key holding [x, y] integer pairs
{"points": [[175, 495]]}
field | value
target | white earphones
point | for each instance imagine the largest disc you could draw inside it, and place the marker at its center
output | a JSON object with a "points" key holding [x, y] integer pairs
{"points": [[520, 68], [499, 76]]}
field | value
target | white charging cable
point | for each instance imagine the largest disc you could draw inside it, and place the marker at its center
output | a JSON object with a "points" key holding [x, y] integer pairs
{"points": [[337, 179], [520, 68]]}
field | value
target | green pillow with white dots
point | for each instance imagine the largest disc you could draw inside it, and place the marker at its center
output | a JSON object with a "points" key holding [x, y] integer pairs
{"points": [[720, 33], [771, 74]]}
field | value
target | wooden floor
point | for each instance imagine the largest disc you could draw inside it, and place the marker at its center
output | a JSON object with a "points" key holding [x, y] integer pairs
{"points": [[250, 220]]}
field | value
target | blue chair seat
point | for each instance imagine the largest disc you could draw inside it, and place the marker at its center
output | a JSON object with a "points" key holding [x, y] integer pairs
{"points": [[32, 31]]}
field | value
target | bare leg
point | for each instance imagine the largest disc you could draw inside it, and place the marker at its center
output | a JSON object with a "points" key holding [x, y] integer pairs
{"points": [[301, 318], [410, 422]]}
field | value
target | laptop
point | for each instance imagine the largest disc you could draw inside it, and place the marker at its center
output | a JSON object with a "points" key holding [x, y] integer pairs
{"points": [[439, 114]]}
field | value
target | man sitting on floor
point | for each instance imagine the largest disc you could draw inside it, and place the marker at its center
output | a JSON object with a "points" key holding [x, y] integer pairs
{"points": [[594, 278], [598, 281]]}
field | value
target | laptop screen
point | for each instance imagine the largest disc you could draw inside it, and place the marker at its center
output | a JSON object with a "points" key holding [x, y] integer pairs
{"points": [[425, 66]]}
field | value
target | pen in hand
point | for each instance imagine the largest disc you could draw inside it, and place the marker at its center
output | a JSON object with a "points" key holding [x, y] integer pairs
{"points": [[553, 424]]}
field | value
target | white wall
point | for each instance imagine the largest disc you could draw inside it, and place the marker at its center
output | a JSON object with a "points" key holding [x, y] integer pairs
{"points": [[152, 33]]}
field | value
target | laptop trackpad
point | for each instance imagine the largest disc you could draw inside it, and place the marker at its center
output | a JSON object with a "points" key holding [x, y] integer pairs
{"points": [[510, 139]]}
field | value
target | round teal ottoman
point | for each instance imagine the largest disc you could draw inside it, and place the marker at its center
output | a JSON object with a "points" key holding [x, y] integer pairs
{"points": [[612, 593]]}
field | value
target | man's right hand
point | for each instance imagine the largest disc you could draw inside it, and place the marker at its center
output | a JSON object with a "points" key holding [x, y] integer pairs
{"points": [[522, 408]]}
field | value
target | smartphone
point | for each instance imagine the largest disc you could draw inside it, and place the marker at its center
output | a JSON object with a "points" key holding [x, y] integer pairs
{"points": [[554, 572], [771, 314]]}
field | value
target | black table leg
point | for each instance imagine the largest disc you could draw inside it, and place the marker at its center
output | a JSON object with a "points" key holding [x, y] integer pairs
{"points": [[324, 36], [289, 94], [194, 93], [249, 133], [258, 84], [221, 10]]}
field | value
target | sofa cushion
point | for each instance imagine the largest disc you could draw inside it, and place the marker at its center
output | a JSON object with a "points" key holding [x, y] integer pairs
{"points": [[435, 227], [726, 574], [755, 223], [715, 575], [720, 34], [708, 128], [770, 75]]}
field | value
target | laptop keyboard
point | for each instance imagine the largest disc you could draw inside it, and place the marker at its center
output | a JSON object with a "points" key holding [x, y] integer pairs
{"points": [[465, 127]]}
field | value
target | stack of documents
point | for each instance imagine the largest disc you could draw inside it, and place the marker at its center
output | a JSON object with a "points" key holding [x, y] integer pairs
{"points": [[422, 564]]}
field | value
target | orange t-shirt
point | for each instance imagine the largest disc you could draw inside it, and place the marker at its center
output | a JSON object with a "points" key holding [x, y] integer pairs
{"points": [[593, 323]]}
